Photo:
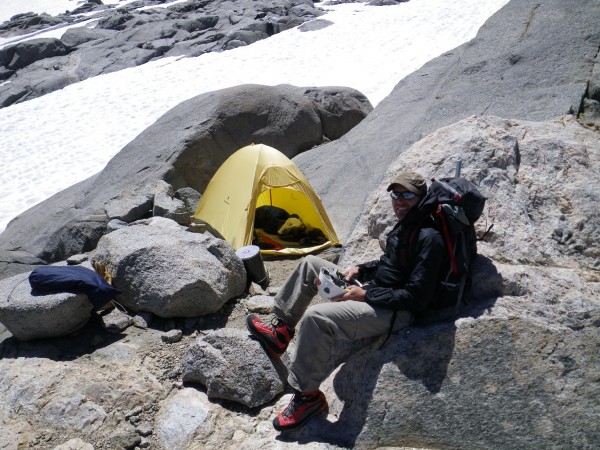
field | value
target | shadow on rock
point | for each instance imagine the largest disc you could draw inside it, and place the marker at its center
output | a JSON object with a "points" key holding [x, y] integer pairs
{"points": [[90, 338]]}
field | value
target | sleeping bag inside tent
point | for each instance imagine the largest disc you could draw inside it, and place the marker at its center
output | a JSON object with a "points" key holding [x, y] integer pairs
{"points": [[260, 197]]}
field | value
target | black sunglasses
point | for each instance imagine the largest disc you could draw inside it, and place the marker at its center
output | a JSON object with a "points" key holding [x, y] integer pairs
{"points": [[406, 195]]}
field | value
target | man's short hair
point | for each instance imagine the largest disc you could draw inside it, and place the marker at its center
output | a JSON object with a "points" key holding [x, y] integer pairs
{"points": [[412, 181]]}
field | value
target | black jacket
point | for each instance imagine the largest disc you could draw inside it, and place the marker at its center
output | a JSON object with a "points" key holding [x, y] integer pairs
{"points": [[407, 274]]}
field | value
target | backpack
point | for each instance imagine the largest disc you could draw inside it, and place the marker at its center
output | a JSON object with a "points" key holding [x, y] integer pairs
{"points": [[454, 204], [270, 218]]}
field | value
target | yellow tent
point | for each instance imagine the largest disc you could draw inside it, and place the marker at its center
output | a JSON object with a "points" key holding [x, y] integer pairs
{"points": [[254, 176]]}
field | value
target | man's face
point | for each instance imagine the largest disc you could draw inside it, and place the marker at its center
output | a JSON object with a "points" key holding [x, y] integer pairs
{"points": [[402, 205]]}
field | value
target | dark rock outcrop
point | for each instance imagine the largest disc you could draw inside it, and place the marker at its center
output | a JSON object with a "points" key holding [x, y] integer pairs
{"points": [[531, 60], [33, 63], [127, 36], [184, 148], [26, 53], [28, 22]]}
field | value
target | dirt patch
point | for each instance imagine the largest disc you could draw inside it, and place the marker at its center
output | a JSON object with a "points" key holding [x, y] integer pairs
{"points": [[280, 268]]}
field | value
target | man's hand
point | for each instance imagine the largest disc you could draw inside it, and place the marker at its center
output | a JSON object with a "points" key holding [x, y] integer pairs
{"points": [[353, 293], [350, 273]]}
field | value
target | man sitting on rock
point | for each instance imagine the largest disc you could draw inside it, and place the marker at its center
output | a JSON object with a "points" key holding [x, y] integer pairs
{"points": [[402, 282]]}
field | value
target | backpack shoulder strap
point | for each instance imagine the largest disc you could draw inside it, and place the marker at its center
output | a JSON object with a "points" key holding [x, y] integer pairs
{"points": [[447, 239], [409, 240]]}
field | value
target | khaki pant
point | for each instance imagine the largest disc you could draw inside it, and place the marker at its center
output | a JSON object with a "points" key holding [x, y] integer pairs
{"points": [[323, 323]]}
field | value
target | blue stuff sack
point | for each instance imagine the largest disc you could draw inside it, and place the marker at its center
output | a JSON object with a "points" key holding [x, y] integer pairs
{"points": [[76, 279]]}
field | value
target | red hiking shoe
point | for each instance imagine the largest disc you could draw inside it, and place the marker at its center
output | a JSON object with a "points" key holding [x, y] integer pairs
{"points": [[303, 406], [275, 337]]}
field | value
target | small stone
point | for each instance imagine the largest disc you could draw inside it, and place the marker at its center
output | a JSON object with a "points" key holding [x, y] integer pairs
{"points": [[260, 304], [144, 429], [190, 197], [75, 444], [273, 290], [255, 289], [142, 320], [238, 435], [134, 420], [116, 321], [77, 259], [171, 337], [134, 412], [115, 224], [124, 435], [172, 374]]}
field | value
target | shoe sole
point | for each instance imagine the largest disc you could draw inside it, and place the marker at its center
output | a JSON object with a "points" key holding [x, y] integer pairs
{"points": [[263, 342], [323, 408]]}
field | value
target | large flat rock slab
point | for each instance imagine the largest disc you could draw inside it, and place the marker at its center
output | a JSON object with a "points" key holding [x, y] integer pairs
{"points": [[531, 60]]}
